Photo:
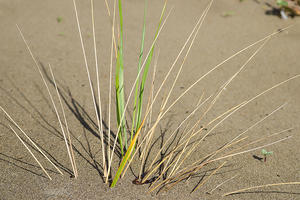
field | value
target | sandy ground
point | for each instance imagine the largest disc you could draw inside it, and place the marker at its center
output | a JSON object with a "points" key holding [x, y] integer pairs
{"points": [[23, 94]]}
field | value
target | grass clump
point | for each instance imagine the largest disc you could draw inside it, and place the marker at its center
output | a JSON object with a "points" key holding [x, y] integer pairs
{"points": [[171, 163]]}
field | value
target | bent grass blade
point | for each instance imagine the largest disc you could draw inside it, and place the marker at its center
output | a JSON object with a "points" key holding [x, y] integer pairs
{"points": [[127, 155]]}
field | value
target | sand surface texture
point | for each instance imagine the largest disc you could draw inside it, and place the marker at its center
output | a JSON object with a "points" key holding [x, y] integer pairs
{"points": [[51, 30]]}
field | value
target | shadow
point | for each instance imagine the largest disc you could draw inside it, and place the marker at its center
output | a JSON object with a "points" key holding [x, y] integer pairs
{"points": [[200, 174], [276, 11], [24, 163], [257, 158], [52, 158], [77, 110], [48, 127], [54, 131], [88, 124], [273, 10], [80, 113], [163, 153], [199, 182], [20, 161], [143, 174], [23, 168], [93, 163]]}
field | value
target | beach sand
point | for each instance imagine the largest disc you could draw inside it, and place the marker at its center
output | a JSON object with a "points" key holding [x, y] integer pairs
{"points": [[51, 30]]}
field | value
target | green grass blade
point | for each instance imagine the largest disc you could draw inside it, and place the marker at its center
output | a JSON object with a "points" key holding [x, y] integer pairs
{"points": [[145, 73], [120, 86], [139, 68]]}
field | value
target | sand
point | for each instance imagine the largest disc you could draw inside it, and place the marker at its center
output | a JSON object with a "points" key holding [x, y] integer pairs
{"points": [[24, 96]]}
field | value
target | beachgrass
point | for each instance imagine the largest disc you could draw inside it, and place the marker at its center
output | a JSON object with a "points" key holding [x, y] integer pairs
{"points": [[136, 131]]}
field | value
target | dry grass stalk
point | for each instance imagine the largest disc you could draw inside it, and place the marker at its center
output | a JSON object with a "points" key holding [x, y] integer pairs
{"points": [[211, 191], [175, 158], [97, 112], [52, 100], [33, 143], [41, 166], [210, 106], [110, 85], [71, 155], [260, 186]]}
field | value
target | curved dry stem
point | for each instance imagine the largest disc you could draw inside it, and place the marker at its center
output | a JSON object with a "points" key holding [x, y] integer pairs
{"points": [[158, 153], [182, 151], [223, 62], [230, 111], [260, 186], [265, 91], [250, 150], [226, 84], [189, 171], [258, 122], [256, 141]]}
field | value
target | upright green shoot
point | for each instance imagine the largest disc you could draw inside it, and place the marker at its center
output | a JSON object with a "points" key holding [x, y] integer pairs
{"points": [[138, 104], [120, 86], [130, 149], [265, 153], [139, 68]]}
